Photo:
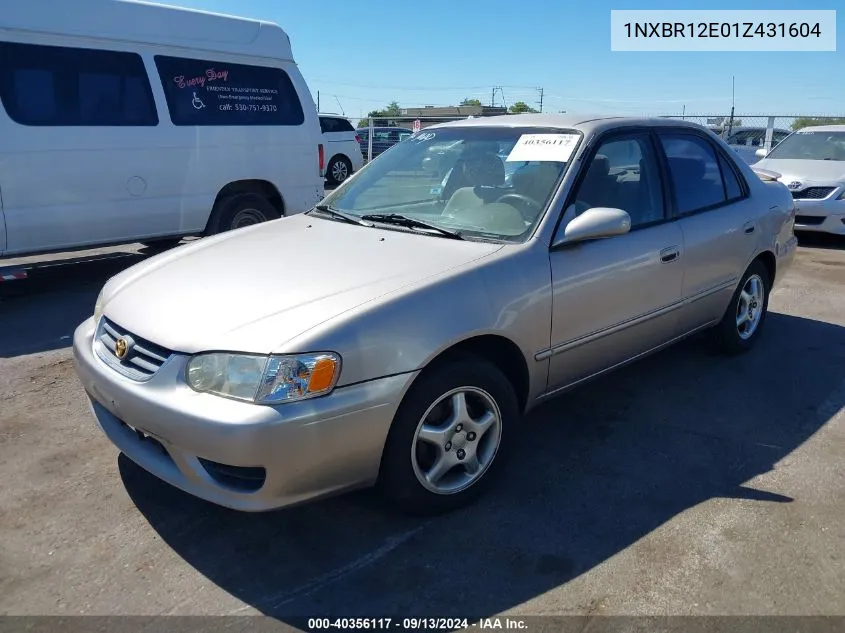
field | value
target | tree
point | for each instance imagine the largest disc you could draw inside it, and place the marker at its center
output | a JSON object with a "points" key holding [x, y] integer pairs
{"points": [[471, 102], [392, 110], [807, 121], [519, 107]]}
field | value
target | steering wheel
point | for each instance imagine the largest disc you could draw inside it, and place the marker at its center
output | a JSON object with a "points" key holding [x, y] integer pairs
{"points": [[528, 207]]}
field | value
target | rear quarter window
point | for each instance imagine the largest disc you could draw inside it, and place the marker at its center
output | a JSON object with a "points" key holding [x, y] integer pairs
{"points": [[205, 92]]}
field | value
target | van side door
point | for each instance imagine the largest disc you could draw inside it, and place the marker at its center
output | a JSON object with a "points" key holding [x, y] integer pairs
{"points": [[78, 118]]}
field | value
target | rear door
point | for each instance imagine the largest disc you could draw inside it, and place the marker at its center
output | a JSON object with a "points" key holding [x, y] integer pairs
{"points": [[718, 219]]}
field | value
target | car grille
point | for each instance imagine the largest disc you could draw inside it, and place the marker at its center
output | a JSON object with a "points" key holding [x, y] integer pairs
{"points": [[809, 220], [813, 193], [143, 358]]}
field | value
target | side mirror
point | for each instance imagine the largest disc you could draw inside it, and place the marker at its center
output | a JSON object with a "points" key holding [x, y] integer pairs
{"points": [[760, 153], [595, 223]]}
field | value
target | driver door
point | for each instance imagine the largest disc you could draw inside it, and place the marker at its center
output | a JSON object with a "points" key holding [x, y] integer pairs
{"points": [[616, 298]]}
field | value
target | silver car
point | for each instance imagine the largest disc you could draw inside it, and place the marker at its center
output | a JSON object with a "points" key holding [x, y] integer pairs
{"points": [[811, 163], [396, 334]]}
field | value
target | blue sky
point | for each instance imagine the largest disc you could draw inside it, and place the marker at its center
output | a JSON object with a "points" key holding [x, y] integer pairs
{"points": [[362, 55]]}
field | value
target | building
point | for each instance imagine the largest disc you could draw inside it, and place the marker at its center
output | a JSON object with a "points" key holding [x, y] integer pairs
{"points": [[429, 115]]}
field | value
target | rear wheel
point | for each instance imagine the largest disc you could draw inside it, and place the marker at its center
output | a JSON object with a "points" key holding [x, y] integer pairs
{"points": [[239, 211], [746, 314], [449, 438], [339, 169]]}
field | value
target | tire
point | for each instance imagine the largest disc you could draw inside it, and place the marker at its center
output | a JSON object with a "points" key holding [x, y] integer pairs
{"points": [[238, 211], [732, 338], [407, 459], [338, 170]]}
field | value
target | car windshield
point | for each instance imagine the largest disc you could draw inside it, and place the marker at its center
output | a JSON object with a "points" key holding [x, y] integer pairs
{"points": [[478, 182], [811, 145]]}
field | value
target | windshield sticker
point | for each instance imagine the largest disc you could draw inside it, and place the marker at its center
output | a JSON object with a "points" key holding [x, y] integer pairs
{"points": [[423, 136], [543, 147]]}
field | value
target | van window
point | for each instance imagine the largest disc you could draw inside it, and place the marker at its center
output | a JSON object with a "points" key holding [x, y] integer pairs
{"points": [[202, 92], [61, 86], [335, 124]]}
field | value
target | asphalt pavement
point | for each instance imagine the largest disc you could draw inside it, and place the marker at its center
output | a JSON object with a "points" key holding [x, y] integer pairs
{"points": [[684, 484]]}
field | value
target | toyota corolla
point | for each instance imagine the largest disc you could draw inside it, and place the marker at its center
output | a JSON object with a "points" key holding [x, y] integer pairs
{"points": [[396, 334]]}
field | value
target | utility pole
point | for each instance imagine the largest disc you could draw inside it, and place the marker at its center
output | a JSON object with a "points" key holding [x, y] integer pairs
{"points": [[493, 97], [541, 98], [318, 101]]}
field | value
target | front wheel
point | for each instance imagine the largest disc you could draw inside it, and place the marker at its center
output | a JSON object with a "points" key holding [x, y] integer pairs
{"points": [[743, 321], [449, 438]]}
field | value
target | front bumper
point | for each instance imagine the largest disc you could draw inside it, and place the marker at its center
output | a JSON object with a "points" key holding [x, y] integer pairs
{"points": [[286, 454], [825, 216]]}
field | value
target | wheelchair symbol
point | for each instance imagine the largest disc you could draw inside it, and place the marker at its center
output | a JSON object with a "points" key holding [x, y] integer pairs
{"points": [[197, 102]]}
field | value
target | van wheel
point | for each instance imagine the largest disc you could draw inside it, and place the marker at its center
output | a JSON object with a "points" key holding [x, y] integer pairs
{"points": [[339, 169], [450, 436], [239, 211]]}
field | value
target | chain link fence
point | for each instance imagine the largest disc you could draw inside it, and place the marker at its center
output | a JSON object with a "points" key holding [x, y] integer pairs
{"points": [[752, 131], [757, 130], [378, 134]]}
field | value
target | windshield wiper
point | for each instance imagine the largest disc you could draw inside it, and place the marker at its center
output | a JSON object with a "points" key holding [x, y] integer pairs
{"points": [[411, 223], [340, 215]]}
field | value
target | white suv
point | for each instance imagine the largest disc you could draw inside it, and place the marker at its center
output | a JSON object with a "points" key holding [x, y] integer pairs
{"points": [[342, 146]]}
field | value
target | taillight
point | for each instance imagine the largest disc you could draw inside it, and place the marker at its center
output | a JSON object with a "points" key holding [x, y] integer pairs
{"points": [[322, 158], [357, 139]]}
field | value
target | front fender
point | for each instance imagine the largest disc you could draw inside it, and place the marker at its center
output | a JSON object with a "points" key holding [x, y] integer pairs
{"points": [[508, 295]]}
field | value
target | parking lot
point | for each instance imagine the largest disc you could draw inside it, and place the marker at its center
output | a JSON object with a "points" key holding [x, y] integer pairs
{"points": [[685, 484]]}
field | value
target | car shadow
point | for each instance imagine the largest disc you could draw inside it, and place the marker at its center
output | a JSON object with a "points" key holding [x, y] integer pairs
{"points": [[594, 471], [40, 313]]}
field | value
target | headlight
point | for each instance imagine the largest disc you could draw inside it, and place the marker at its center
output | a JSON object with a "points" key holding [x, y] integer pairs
{"points": [[264, 379], [98, 307]]}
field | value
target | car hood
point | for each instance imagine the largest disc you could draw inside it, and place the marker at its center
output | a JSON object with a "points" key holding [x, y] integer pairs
{"points": [[815, 171], [253, 289]]}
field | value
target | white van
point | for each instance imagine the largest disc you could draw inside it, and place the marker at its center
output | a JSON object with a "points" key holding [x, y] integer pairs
{"points": [[125, 121]]}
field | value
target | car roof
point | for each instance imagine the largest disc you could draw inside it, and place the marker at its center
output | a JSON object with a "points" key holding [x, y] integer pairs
{"points": [[581, 122], [823, 128]]}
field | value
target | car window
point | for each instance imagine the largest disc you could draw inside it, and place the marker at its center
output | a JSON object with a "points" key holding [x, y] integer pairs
{"points": [[489, 183], [342, 125], [326, 124], [695, 172], [733, 190], [624, 174], [811, 145], [63, 86]]}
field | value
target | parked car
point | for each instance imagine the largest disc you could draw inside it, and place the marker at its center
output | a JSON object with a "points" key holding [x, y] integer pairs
{"points": [[424, 327], [745, 141], [134, 122], [342, 146], [811, 163], [383, 139]]}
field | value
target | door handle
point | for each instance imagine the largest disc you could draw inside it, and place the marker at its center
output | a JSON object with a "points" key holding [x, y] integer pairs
{"points": [[669, 254], [749, 227]]}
